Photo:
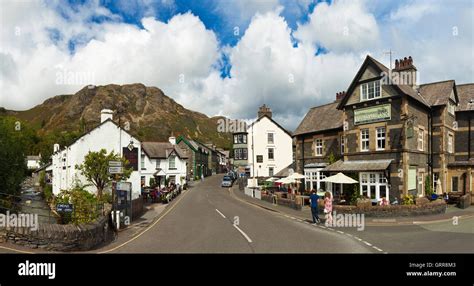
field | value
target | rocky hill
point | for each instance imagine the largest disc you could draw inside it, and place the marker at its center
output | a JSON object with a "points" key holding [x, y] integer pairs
{"points": [[150, 113]]}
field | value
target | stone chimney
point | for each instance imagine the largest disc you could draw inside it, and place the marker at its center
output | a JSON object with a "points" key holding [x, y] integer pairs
{"points": [[406, 71], [106, 114], [264, 110], [172, 140], [340, 95]]}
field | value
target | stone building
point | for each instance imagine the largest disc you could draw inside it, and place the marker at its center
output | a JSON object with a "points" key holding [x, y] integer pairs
{"points": [[389, 132]]}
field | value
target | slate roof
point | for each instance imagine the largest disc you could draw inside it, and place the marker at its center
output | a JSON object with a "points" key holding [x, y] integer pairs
{"points": [[465, 95], [358, 166], [437, 93], [320, 118], [161, 150]]}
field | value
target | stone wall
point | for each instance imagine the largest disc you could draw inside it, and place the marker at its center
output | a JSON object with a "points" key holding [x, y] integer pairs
{"points": [[58, 237]]}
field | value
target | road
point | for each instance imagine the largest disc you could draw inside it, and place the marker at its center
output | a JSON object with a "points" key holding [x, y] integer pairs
{"points": [[202, 221], [433, 237]]}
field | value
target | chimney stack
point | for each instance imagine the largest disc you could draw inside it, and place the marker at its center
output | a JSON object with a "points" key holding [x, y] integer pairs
{"points": [[406, 71], [264, 110], [172, 140], [340, 95], [55, 148], [106, 114]]}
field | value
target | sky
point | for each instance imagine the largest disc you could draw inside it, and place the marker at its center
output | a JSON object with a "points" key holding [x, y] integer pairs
{"points": [[226, 57]]}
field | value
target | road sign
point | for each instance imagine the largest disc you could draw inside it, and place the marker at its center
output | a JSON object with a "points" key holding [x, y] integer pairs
{"points": [[115, 170], [115, 163], [64, 207]]}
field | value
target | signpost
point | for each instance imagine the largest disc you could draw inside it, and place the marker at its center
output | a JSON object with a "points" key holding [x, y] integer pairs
{"points": [[67, 208], [115, 170]]}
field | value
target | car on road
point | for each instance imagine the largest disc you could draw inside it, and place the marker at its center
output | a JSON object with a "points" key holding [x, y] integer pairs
{"points": [[226, 181]]}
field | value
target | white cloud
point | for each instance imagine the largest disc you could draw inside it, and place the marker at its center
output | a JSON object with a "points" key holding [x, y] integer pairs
{"points": [[412, 12], [159, 55], [340, 27]]}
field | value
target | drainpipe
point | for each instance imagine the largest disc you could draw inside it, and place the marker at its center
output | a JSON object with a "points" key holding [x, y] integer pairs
{"points": [[430, 136], [469, 138]]}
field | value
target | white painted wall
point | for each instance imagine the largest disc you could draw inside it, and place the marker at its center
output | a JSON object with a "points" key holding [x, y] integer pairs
{"points": [[150, 169], [107, 137], [283, 151]]}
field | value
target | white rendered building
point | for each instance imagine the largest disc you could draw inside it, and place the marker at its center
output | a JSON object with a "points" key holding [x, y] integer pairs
{"points": [[270, 146], [106, 136]]}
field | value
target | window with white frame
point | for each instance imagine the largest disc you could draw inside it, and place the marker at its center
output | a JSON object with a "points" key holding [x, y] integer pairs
{"points": [[319, 147], [450, 143], [172, 162], [374, 185], [270, 138], [421, 138], [157, 163], [370, 90], [270, 171], [342, 143], [381, 138], [364, 140], [240, 139], [271, 154]]}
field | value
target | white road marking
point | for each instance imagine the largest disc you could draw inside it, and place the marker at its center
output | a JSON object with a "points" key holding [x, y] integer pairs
{"points": [[377, 248], [243, 233], [341, 232], [222, 215], [367, 243]]}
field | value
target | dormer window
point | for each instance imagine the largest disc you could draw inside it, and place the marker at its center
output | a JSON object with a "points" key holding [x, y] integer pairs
{"points": [[370, 90]]}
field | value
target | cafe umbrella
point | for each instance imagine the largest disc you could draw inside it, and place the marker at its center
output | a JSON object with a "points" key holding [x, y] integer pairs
{"points": [[339, 178]]}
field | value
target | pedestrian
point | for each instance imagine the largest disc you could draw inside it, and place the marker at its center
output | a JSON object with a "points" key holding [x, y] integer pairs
{"points": [[328, 208], [313, 199], [202, 177]]}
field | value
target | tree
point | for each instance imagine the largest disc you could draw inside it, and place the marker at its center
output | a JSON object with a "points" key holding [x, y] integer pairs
{"points": [[95, 169], [13, 142]]}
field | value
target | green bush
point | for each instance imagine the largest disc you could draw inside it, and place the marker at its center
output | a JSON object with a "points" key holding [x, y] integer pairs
{"points": [[48, 192], [42, 179], [408, 200], [85, 205], [428, 186]]}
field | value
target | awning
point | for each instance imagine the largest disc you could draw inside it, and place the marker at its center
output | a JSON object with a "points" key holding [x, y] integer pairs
{"points": [[339, 178], [358, 166]]}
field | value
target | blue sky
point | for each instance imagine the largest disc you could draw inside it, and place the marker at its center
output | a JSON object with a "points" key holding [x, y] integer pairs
{"points": [[226, 57]]}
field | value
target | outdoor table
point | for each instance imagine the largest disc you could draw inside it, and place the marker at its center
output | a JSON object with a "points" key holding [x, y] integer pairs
{"points": [[302, 199]]}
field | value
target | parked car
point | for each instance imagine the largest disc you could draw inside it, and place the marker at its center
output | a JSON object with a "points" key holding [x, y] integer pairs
{"points": [[227, 181]]}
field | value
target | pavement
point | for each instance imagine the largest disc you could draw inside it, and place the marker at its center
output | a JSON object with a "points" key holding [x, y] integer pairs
{"points": [[452, 212]]}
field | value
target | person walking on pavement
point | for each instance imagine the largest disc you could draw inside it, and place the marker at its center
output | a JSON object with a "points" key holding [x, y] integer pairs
{"points": [[313, 198], [328, 208], [202, 177]]}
